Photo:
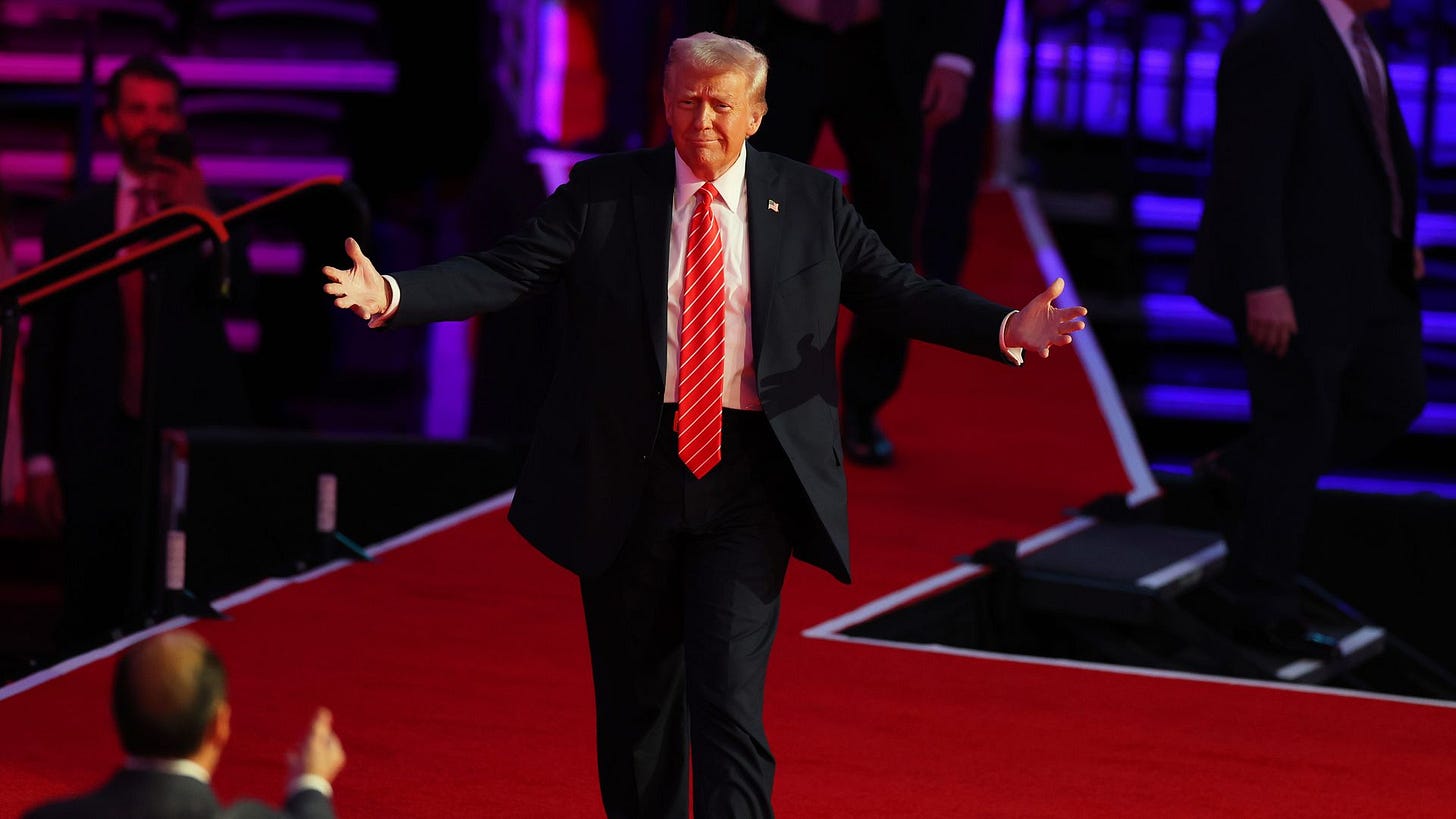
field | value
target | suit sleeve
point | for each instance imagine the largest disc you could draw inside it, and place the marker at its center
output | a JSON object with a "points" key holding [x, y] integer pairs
{"points": [[890, 294], [522, 265], [306, 804], [309, 804], [956, 26], [1259, 91]]}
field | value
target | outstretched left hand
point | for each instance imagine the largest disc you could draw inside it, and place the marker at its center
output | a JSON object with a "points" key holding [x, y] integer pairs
{"points": [[1039, 326]]}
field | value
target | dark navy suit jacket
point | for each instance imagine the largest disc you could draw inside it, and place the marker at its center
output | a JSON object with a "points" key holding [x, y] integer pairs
{"points": [[1298, 196], [156, 795], [604, 237]]}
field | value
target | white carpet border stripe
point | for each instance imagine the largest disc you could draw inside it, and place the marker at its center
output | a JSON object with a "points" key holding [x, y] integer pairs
{"points": [[253, 592]]}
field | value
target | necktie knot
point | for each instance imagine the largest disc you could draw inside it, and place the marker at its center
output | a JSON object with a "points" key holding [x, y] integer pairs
{"points": [[706, 194]]}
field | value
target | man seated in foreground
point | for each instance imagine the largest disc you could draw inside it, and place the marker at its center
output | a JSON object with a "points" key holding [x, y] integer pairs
{"points": [[170, 702]]}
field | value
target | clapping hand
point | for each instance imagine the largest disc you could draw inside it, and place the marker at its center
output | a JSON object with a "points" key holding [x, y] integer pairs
{"points": [[320, 754], [360, 288], [1039, 326]]}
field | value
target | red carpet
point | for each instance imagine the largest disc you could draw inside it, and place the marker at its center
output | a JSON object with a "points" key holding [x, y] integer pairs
{"points": [[456, 665]]}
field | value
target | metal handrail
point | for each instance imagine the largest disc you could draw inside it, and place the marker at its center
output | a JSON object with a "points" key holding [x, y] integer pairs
{"points": [[162, 231], [165, 230], [102, 258], [282, 195]]}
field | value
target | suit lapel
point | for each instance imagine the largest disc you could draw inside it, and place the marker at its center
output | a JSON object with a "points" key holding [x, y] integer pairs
{"points": [[765, 235], [652, 212]]}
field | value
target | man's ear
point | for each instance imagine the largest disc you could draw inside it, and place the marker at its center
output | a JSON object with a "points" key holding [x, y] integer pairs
{"points": [[221, 728], [108, 125]]}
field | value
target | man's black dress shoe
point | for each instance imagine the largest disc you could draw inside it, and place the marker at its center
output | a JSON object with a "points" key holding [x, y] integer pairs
{"points": [[1290, 636], [864, 442]]}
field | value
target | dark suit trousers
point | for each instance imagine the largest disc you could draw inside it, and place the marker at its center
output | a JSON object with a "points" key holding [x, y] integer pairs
{"points": [[680, 628], [1339, 396], [847, 79], [957, 155]]}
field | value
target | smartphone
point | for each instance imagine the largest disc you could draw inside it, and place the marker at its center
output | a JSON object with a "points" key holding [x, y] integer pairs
{"points": [[176, 145]]}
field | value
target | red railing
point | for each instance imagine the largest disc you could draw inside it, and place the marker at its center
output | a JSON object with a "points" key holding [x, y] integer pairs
{"points": [[102, 258]]}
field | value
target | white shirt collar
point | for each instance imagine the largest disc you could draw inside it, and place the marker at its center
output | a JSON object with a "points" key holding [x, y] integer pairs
{"points": [[1341, 15], [180, 767], [729, 183], [126, 182]]}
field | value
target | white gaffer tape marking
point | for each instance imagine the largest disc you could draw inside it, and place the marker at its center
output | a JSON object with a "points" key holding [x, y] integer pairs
{"points": [[254, 592], [829, 629], [1089, 352], [936, 648]]}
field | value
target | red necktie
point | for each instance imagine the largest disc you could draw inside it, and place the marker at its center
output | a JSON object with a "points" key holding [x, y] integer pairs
{"points": [[1380, 119], [700, 360], [133, 322]]}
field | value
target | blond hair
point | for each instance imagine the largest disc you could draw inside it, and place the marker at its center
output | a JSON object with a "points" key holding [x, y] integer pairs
{"points": [[713, 53]]}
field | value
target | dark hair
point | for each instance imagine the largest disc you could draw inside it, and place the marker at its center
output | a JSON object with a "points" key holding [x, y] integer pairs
{"points": [[142, 65], [177, 733]]}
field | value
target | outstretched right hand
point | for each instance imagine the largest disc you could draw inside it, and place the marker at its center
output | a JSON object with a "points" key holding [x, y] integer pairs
{"points": [[360, 288]]}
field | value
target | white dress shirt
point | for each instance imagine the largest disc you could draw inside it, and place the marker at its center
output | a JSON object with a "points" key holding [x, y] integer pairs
{"points": [[1343, 17], [730, 209], [186, 767]]}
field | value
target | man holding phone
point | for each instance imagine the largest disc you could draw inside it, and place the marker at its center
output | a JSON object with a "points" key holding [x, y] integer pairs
{"points": [[82, 404]]}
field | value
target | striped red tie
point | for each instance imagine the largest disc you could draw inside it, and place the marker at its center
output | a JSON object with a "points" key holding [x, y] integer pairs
{"points": [[700, 362]]}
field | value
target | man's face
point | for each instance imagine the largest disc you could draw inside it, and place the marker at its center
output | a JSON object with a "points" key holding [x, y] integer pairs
{"points": [[145, 108], [710, 115]]}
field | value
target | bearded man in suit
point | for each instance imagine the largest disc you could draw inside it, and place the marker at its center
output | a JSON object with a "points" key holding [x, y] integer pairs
{"points": [[82, 401]]}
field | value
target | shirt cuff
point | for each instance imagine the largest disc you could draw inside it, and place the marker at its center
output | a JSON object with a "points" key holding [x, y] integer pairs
{"points": [[393, 301], [1016, 355], [310, 782], [40, 465], [956, 62]]}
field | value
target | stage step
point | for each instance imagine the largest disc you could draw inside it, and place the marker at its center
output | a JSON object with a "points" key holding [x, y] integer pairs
{"points": [[1119, 571], [1135, 588]]}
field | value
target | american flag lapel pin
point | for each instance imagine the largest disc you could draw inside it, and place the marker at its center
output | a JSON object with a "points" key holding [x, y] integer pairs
{"points": [[773, 206]]}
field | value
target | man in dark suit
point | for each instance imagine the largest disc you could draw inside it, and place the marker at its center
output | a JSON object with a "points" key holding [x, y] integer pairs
{"points": [[882, 74], [689, 443], [1307, 245], [82, 399], [169, 700], [956, 154]]}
